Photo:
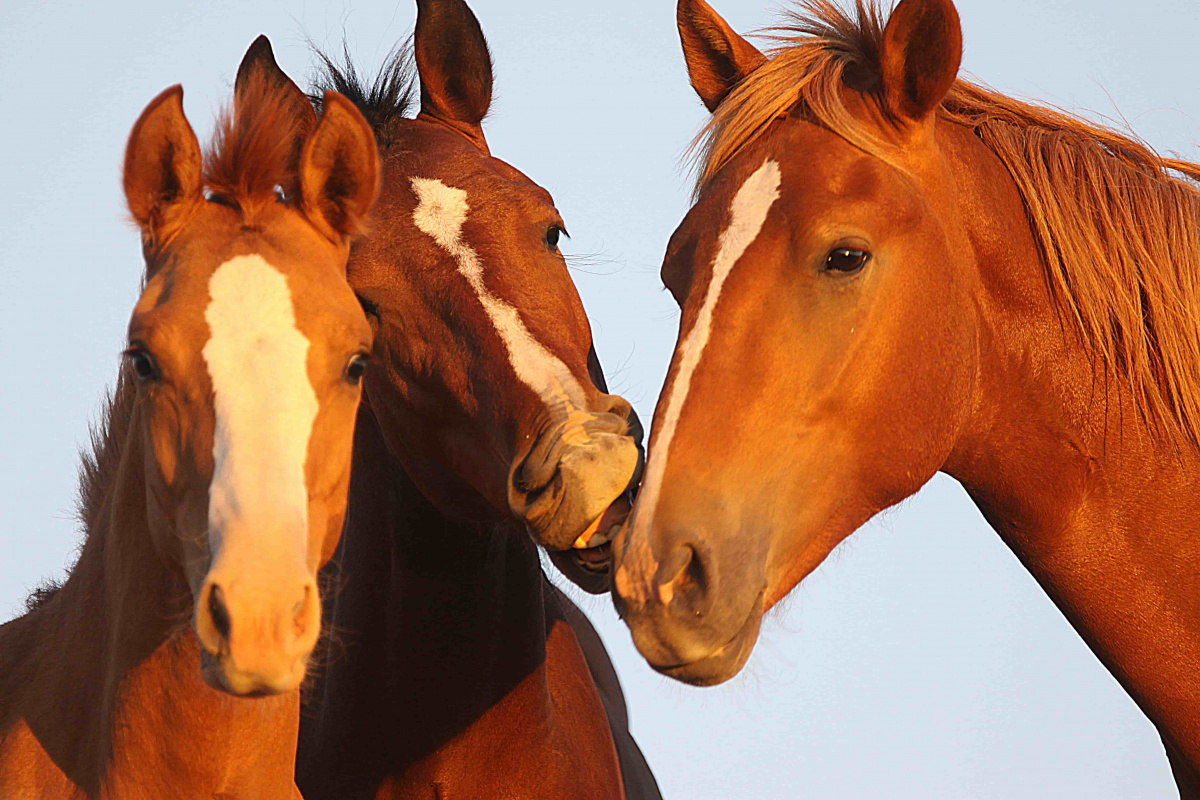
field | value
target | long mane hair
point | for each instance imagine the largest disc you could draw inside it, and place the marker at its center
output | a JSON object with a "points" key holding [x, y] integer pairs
{"points": [[1118, 225]]}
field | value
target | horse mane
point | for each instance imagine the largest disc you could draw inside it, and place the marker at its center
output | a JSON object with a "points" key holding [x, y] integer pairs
{"points": [[1118, 225], [382, 101], [254, 148], [99, 462], [98, 465]]}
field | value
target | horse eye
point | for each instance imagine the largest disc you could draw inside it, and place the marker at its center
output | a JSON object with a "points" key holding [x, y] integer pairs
{"points": [[280, 195], [846, 260], [356, 368], [143, 364], [552, 235]]}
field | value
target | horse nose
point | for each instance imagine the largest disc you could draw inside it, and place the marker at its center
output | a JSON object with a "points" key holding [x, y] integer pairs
{"points": [[620, 407], [259, 639], [681, 582]]}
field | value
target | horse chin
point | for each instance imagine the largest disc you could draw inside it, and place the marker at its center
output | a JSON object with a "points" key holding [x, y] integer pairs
{"points": [[220, 674], [590, 570], [719, 665]]}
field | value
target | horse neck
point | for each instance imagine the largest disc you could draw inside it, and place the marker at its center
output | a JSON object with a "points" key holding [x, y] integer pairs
{"points": [[1103, 512], [105, 675], [476, 586], [434, 623]]}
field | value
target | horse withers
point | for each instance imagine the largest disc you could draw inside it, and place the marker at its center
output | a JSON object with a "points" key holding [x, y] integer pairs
{"points": [[217, 482], [890, 272]]}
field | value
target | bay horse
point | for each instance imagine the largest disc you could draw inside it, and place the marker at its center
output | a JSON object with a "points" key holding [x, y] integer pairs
{"points": [[217, 481], [887, 272], [457, 669]]}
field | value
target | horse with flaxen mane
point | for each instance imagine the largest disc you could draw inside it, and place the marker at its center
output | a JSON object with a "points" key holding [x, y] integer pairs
{"points": [[890, 272], [459, 671], [217, 482]]}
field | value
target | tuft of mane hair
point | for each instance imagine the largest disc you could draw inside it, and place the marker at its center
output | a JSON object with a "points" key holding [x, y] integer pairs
{"points": [[41, 594], [1118, 225], [253, 149], [383, 101], [99, 462]]}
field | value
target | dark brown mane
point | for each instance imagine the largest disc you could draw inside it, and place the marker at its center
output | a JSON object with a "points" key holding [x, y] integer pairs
{"points": [[387, 98], [1117, 224], [254, 147]]}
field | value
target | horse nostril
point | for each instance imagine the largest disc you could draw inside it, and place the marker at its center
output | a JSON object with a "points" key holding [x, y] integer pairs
{"points": [[619, 406], [682, 581], [304, 611], [217, 611]]}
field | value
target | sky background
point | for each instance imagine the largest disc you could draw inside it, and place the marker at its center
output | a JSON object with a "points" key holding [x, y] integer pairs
{"points": [[920, 660]]}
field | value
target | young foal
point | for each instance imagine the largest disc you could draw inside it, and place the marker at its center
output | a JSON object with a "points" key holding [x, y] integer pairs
{"points": [[890, 272], [460, 671], [218, 481]]}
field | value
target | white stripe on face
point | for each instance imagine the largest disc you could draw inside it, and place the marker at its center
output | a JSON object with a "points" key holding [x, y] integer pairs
{"points": [[265, 405], [747, 214], [440, 213]]}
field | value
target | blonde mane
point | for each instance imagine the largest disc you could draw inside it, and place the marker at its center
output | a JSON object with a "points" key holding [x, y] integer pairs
{"points": [[1118, 225]]}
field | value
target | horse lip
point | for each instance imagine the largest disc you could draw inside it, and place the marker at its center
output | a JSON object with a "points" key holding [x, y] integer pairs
{"points": [[730, 650], [604, 528]]}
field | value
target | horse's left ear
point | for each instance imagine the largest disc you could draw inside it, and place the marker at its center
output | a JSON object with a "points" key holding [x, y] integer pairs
{"points": [[339, 170], [455, 67], [919, 58]]}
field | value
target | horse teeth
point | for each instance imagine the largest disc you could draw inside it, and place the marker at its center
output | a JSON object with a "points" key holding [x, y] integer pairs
{"points": [[597, 539]]}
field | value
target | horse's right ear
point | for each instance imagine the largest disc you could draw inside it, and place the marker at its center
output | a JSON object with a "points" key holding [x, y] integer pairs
{"points": [[454, 66], [339, 170], [162, 164], [717, 57]]}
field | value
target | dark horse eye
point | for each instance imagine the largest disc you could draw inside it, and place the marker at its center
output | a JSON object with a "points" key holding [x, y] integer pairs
{"points": [[552, 236], [356, 368], [143, 364], [846, 259]]}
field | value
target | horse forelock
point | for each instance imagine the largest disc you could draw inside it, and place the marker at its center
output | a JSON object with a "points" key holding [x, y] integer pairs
{"points": [[254, 148], [1118, 225]]}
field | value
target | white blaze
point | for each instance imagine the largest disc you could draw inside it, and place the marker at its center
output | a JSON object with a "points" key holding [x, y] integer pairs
{"points": [[440, 213], [265, 404], [747, 214]]}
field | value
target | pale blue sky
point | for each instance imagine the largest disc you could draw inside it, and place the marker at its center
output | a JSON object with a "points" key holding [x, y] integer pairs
{"points": [[921, 661]]}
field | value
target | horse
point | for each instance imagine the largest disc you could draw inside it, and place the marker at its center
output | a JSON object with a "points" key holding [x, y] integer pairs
{"points": [[889, 272], [217, 480], [455, 668]]}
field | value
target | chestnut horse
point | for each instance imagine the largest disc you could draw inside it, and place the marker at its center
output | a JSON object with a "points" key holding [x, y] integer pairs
{"points": [[889, 272], [458, 670], [217, 482]]}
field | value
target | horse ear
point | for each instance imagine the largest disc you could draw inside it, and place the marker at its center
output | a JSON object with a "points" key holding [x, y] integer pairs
{"points": [[162, 164], [919, 58], [259, 61], [454, 66], [339, 170], [717, 57]]}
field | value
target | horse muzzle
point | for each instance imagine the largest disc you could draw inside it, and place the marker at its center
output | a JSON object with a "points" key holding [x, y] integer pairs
{"points": [[688, 620], [572, 487]]}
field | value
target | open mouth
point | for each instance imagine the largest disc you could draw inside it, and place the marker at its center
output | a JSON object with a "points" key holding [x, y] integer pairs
{"points": [[592, 550]]}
